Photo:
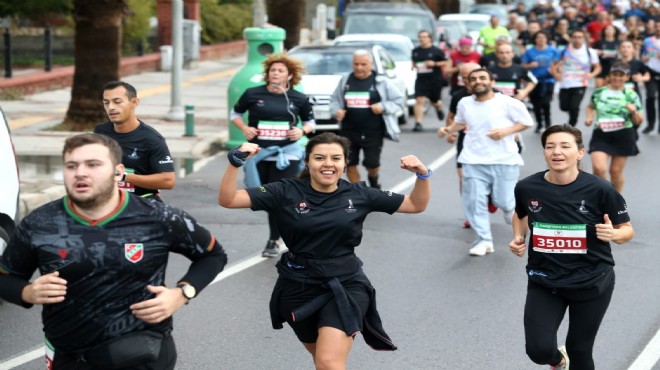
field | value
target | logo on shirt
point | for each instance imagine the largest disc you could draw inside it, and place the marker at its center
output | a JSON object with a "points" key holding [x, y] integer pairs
{"points": [[302, 207], [534, 205], [168, 159], [134, 252], [582, 209], [134, 155], [63, 253], [260, 103], [351, 207]]}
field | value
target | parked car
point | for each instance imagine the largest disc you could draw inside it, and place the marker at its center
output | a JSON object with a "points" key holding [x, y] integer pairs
{"points": [[399, 46], [499, 11], [467, 24], [386, 17], [326, 64], [9, 186]]}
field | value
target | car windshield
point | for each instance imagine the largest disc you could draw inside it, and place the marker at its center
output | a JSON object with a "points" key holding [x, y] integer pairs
{"points": [[475, 25], [325, 62], [400, 52], [402, 24]]}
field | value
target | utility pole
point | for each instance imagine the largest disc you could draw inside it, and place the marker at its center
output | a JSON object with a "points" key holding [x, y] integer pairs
{"points": [[176, 112], [258, 13]]}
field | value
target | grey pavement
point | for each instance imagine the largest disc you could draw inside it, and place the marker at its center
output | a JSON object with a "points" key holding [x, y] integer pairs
{"points": [[38, 147]]}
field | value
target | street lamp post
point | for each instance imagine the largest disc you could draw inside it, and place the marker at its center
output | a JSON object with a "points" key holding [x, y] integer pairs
{"points": [[176, 112]]}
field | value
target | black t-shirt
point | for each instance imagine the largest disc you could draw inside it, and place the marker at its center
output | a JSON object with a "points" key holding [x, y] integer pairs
{"points": [[145, 152], [509, 80], [359, 95], [107, 264], [563, 249], [420, 55], [272, 115], [610, 53], [321, 225], [525, 38], [488, 60], [456, 96]]}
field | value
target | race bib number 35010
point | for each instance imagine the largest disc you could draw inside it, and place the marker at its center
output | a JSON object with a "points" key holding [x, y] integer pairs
{"points": [[559, 238]]}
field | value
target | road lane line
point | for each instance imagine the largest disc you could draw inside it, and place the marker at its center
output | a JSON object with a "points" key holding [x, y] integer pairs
{"points": [[649, 356], [23, 359]]}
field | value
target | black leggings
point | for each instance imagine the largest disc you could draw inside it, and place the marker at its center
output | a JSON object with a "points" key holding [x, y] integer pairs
{"points": [[268, 172], [652, 99], [569, 101], [544, 312], [540, 98]]}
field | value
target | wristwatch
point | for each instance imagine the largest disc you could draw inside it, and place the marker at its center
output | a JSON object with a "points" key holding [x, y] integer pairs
{"points": [[188, 291]]}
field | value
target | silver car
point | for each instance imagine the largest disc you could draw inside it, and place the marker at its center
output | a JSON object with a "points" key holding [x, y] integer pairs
{"points": [[9, 186]]}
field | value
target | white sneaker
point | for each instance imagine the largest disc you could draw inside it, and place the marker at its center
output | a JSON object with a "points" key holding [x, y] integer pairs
{"points": [[481, 248], [567, 362], [508, 216]]}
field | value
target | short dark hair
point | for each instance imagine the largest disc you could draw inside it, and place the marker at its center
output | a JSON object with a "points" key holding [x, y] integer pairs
{"points": [[77, 141], [428, 33], [577, 134], [490, 74], [131, 93], [542, 32], [325, 138], [577, 30]]}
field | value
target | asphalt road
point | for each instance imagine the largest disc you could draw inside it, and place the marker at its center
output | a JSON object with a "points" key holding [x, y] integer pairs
{"points": [[443, 308]]}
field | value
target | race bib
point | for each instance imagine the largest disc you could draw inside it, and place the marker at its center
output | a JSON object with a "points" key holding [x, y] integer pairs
{"points": [[125, 185], [50, 354], [506, 88], [422, 68], [357, 99], [629, 85], [611, 124], [558, 238], [609, 53], [272, 130]]}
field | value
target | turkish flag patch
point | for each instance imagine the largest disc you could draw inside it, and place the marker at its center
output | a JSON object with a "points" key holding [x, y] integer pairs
{"points": [[134, 252]]}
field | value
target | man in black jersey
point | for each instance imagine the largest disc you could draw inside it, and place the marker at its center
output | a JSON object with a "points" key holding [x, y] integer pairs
{"points": [[427, 60], [102, 255], [147, 160], [366, 104], [509, 76]]}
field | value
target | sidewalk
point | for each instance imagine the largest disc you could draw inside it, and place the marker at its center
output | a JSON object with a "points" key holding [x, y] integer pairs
{"points": [[205, 87]]}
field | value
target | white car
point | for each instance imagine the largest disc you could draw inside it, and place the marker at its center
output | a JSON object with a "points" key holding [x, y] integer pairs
{"points": [[326, 64], [399, 46], [9, 186], [467, 24]]}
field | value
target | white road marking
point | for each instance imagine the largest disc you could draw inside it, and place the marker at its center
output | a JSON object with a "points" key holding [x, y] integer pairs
{"points": [[649, 356]]}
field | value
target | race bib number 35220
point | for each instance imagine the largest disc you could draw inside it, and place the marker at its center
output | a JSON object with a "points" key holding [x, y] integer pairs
{"points": [[559, 238]]}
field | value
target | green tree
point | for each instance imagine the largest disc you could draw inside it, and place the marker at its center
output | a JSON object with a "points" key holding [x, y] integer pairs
{"points": [[33, 8], [136, 23], [97, 55], [288, 14]]}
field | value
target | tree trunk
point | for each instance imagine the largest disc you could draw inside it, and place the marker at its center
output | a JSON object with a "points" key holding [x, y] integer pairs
{"points": [[288, 14], [97, 59]]}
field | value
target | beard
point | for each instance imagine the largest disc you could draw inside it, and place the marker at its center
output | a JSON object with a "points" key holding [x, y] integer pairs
{"points": [[481, 92], [90, 201]]}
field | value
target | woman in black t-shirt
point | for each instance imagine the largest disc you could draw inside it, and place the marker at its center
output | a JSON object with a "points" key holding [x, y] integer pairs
{"points": [[606, 48], [572, 217], [322, 292], [273, 111]]}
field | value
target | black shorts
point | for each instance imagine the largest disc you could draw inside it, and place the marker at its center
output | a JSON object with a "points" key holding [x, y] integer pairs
{"points": [[429, 87], [620, 143], [296, 294], [370, 144]]}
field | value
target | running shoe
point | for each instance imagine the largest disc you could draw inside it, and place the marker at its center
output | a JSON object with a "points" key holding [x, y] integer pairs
{"points": [[441, 114], [272, 249], [466, 224], [492, 208], [481, 248], [418, 127], [567, 362]]}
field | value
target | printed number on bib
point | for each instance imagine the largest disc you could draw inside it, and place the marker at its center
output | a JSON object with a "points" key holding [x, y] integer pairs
{"points": [[272, 130], [611, 124], [125, 185], [422, 68], [558, 238], [358, 99]]}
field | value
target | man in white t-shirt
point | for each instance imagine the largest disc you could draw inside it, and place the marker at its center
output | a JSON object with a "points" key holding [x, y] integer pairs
{"points": [[577, 65], [490, 159]]}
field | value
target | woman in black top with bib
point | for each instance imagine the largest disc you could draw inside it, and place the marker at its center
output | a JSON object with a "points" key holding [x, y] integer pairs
{"points": [[572, 217], [322, 292]]}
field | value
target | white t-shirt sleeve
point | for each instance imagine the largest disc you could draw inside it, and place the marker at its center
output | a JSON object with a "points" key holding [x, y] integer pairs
{"points": [[518, 113], [460, 111], [593, 55]]}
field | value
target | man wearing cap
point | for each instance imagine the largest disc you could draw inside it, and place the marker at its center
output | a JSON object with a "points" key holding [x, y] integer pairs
{"points": [[464, 54], [488, 34]]}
